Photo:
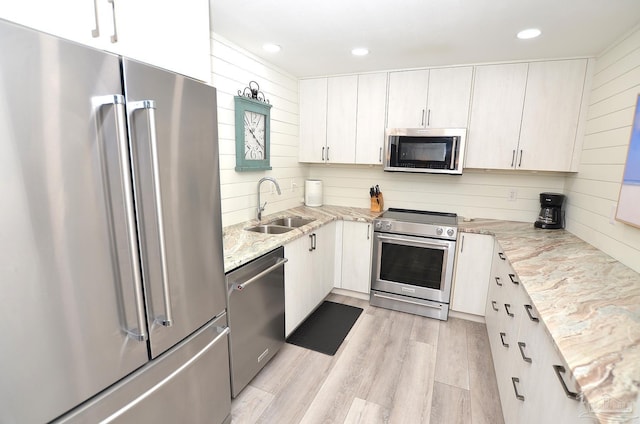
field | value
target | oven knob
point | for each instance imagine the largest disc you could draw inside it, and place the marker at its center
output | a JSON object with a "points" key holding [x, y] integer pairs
{"points": [[450, 232], [387, 226], [378, 225], [439, 231]]}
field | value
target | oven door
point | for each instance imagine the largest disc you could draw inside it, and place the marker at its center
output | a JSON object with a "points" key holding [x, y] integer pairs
{"points": [[413, 266]]}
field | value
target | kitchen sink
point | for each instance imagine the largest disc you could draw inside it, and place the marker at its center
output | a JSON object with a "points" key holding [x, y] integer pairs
{"points": [[269, 229], [291, 221]]}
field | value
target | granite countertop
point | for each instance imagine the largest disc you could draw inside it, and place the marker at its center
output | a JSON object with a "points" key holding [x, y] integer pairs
{"points": [[242, 246], [589, 303]]}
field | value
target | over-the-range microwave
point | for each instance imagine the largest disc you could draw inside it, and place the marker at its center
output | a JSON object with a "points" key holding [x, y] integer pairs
{"points": [[432, 150]]}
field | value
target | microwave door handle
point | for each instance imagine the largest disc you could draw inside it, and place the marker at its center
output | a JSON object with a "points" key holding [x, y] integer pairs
{"points": [[454, 149]]}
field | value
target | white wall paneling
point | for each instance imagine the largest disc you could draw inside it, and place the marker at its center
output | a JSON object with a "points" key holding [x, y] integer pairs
{"points": [[233, 69], [593, 191], [476, 194]]}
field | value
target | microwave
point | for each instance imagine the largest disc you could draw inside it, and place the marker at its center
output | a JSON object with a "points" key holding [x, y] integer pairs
{"points": [[429, 150]]}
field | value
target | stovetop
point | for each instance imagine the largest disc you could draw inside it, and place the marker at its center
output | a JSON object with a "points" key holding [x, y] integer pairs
{"points": [[421, 217], [441, 225]]}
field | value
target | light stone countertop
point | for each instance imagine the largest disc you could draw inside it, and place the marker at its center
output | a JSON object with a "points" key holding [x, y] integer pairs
{"points": [[589, 303], [242, 246]]}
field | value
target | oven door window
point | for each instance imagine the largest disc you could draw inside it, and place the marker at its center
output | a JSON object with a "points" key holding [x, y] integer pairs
{"points": [[418, 266]]}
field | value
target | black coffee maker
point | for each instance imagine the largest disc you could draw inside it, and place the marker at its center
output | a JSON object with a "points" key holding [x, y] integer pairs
{"points": [[551, 211]]}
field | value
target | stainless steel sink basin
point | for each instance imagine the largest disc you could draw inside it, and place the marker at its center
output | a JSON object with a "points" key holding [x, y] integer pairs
{"points": [[269, 229], [291, 221]]}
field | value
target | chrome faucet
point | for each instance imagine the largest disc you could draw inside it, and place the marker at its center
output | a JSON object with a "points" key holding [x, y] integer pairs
{"points": [[261, 207]]}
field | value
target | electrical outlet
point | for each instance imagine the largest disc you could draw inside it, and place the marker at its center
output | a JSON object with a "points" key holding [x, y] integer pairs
{"points": [[512, 196]]}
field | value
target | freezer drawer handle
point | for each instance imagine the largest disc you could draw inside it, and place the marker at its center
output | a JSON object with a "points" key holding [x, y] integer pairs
{"points": [[117, 101], [221, 335], [150, 107], [242, 286]]}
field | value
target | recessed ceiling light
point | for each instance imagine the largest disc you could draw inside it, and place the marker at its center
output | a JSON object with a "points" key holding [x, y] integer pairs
{"points": [[360, 51], [271, 48], [526, 34]]}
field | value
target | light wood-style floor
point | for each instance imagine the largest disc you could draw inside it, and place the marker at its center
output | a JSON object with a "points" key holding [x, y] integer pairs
{"points": [[392, 368]]}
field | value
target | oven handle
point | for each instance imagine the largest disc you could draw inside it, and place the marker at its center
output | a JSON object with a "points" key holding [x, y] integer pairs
{"points": [[406, 301], [444, 245]]}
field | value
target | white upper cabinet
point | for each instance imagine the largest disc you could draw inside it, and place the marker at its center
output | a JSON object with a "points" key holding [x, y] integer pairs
{"points": [[525, 116], [167, 34], [407, 99], [550, 116], [313, 120], [435, 98], [342, 119], [449, 96], [342, 103], [496, 113], [372, 103]]}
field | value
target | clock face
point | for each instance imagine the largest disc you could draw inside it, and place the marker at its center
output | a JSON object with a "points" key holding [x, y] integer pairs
{"points": [[254, 134]]}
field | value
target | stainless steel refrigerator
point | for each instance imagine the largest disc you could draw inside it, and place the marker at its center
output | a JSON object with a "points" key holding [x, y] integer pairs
{"points": [[112, 290]]}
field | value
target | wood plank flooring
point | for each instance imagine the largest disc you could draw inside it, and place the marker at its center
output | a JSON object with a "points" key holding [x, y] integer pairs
{"points": [[392, 368]]}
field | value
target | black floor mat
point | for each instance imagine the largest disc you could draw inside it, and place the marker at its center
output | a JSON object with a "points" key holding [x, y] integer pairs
{"points": [[325, 329]]}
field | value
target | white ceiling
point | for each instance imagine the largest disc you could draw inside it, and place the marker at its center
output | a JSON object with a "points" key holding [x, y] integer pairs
{"points": [[317, 36]]}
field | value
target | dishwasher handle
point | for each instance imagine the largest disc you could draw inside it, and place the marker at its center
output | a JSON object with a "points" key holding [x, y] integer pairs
{"points": [[241, 286]]}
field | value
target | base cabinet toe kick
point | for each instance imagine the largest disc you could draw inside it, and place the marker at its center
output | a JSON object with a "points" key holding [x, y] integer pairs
{"points": [[534, 383]]}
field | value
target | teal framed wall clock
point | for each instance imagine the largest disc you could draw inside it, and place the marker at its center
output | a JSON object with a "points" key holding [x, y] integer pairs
{"points": [[253, 129]]}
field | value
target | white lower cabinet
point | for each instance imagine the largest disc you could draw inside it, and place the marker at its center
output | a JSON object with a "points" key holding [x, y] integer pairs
{"points": [[356, 256], [308, 275], [524, 355], [472, 270]]}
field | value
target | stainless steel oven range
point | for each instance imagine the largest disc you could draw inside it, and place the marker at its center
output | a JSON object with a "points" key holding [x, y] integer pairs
{"points": [[412, 267]]}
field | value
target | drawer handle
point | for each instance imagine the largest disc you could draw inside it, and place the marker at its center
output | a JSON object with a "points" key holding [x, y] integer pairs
{"points": [[498, 281], [502, 339], [515, 380], [501, 255], [529, 308], [559, 369], [512, 277], [525, 358], [506, 308], [493, 305]]}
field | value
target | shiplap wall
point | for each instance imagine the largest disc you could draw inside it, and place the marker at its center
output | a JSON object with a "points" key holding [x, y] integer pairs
{"points": [[474, 194], [232, 70], [593, 192]]}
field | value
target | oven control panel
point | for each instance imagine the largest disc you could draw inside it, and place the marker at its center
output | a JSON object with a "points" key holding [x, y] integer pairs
{"points": [[422, 230]]}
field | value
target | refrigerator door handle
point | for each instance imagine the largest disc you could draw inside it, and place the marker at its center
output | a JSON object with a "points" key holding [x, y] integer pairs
{"points": [[117, 101], [149, 106]]}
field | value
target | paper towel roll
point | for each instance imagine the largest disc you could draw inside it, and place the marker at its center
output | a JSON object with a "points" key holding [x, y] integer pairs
{"points": [[313, 192]]}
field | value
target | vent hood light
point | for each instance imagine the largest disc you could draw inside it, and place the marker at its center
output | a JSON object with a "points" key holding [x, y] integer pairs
{"points": [[526, 34], [360, 51], [271, 48]]}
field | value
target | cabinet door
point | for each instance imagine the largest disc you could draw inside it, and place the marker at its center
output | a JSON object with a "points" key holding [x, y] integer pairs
{"points": [[473, 267], [496, 112], [551, 113], [407, 99], [449, 97], [75, 20], [297, 270], [356, 256], [372, 98], [325, 257], [342, 98], [168, 34], [313, 120]]}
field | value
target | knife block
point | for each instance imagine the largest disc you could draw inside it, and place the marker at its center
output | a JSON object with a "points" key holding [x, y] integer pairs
{"points": [[377, 203]]}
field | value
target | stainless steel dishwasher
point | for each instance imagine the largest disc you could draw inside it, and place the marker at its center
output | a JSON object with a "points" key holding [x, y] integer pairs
{"points": [[256, 316]]}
